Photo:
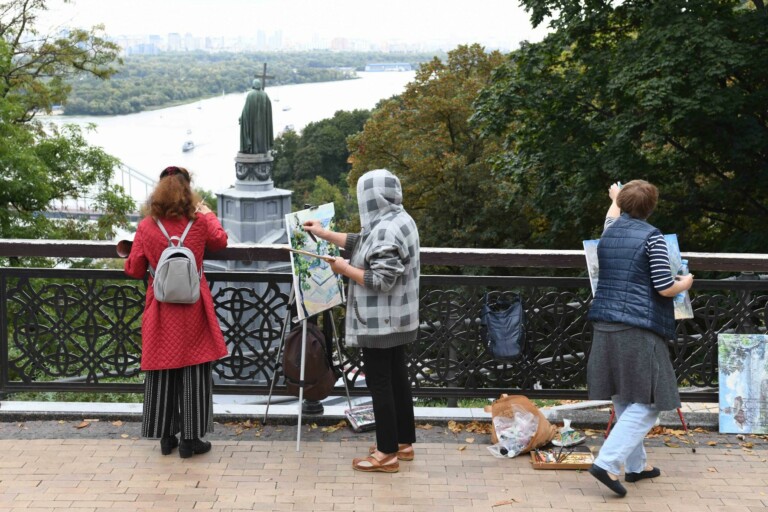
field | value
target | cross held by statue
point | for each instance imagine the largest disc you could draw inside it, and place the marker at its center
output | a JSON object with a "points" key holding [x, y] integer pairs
{"points": [[264, 77]]}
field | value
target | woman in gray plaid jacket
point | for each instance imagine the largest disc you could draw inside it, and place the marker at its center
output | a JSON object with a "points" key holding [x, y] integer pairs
{"points": [[382, 310]]}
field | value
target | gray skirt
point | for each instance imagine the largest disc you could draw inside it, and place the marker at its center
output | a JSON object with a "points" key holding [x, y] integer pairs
{"points": [[632, 365]]}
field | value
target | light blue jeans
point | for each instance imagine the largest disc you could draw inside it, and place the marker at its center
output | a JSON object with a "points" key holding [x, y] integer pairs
{"points": [[624, 445]]}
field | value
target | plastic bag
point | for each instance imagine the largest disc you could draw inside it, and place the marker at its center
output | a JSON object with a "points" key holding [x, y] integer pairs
{"points": [[514, 433]]}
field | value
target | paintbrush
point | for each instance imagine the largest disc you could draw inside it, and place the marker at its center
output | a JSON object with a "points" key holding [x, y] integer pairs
{"points": [[325, 257]]}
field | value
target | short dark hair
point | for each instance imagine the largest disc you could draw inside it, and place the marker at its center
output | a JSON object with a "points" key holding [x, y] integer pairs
{"points": [[638, 199]]}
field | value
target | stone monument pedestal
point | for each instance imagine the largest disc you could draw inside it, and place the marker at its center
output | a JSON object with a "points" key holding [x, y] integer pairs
{"points": [[254, 210]]}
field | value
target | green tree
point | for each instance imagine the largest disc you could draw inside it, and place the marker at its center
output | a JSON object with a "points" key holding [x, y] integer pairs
{"points": [[41, 164], [674, 92], [345, 207], [425, 138], [320, 151]]}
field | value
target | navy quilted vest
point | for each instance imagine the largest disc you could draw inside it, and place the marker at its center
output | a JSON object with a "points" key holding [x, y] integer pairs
{"points": [[625, 293]]}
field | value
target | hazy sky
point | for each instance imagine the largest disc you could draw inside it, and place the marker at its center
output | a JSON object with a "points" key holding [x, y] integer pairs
{"points": [[485, 21]]}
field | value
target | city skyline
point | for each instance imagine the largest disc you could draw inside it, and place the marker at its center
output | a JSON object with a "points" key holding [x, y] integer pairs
{"points": [[307, 24]]}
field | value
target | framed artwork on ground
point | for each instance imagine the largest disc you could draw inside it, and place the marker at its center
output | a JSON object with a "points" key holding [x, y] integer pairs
{"points": [[743, 383]]}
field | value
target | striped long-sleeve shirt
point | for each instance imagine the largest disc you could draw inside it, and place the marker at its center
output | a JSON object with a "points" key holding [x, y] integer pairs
{"points": [[658, 258]]}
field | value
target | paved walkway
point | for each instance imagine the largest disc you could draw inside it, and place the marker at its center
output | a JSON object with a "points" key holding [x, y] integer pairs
{"points": [[123, 473], [56, 459]]}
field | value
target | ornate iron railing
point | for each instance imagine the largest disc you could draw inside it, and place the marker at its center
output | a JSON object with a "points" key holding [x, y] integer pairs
{"points": [[80, 330]]}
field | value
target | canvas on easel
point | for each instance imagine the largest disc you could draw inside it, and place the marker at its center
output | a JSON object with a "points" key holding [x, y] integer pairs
{"points": [[682, 301], [317, 287]]}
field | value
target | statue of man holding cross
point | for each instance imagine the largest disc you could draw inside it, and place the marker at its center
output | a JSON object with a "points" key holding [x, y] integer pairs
{"points": [[256, 120]]}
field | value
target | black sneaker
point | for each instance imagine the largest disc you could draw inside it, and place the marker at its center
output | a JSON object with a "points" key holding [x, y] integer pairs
{"points": [[190, 447], [602, 475], [634, 477]]}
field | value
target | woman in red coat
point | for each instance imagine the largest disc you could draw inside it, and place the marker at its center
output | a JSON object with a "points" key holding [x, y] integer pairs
{"points": [[179, 341]]}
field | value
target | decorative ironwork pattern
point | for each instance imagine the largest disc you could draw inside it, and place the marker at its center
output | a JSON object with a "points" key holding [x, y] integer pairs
{"points": [[81, 330], [252, 324], [451, 350], [87, 331]]}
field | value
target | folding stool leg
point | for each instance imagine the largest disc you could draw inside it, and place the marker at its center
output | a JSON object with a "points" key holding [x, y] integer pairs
{"points": [[610, 422]]}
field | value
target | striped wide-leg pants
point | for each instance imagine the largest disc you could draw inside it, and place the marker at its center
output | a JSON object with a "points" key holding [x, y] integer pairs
{"points": [[178, 400]]}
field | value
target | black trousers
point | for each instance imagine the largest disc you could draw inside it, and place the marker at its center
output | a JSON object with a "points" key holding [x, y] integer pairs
{"points": [[386, 375], [178, 400]]}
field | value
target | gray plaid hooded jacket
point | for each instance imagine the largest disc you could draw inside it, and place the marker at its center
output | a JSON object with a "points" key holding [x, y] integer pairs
{"points": [[385, 312]]}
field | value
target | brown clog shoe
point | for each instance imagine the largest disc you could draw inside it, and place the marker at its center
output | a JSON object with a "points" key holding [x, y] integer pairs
{"points": [[371, 464], [404, 452]]}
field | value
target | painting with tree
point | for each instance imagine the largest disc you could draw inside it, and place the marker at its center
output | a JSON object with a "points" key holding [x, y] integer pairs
{"points": [[317, 288]]}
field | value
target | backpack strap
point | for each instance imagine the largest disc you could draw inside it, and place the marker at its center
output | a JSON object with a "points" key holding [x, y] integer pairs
{"points": [[184, 234], [162, 228], [179, 241]]}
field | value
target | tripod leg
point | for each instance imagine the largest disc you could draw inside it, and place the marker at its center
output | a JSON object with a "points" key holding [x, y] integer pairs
{"points": [[301, 380], [338, 351], [286, 322], [687, 432], [610, 422]]}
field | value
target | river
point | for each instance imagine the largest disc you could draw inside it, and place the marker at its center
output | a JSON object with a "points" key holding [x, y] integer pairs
{"points": [[150, 141]]}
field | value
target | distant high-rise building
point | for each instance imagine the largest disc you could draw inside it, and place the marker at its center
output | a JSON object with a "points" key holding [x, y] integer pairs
{"points": [[276, 40], [261, 40], [174, 42], [340, 44]]}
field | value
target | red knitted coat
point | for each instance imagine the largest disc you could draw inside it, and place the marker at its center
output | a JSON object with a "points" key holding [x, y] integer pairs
{"points": [[177, 335]]}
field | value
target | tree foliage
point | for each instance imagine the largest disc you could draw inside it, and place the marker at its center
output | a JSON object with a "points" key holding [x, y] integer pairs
{"points": [[425, 138], [674, 92], [316, 162], [41, 164]]}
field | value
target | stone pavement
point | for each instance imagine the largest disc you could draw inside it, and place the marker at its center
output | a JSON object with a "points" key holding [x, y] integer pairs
{"points": [[90, 466]]}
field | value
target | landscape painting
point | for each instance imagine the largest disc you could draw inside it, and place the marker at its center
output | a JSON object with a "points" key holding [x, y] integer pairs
{"points": [[317, 288], [682, 301], [743, 383]]}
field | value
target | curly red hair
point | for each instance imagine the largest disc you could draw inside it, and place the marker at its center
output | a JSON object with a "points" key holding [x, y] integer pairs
{"points": [[173, 196]]}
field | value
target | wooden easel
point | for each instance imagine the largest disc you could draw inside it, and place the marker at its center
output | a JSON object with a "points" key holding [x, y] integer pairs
{"points": [[286, 323]]}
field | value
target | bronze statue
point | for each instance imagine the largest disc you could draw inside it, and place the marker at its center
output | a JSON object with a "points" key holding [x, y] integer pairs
{"points": [[256, 122]]}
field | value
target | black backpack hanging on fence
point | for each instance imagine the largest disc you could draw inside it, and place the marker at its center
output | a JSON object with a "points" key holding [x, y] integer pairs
{"points": [[319, 373], [504, 322]]}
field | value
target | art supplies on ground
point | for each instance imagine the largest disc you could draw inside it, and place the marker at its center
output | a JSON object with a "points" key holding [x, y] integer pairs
{"points": [[573, 457], [361, 418], [567, 436], [572, 439], [514, 433]]}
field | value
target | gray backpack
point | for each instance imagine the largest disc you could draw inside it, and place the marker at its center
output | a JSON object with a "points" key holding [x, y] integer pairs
{"points": [[176, 278]]}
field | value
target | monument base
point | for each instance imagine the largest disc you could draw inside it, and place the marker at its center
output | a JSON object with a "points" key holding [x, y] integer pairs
{"points": [[254, 172], [254, 210]]}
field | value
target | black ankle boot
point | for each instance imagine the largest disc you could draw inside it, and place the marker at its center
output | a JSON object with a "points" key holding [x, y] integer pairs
{"points": [[167, 444], [190, 447]]}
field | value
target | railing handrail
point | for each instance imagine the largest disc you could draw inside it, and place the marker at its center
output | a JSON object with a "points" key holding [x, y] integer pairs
{"points": [[446, 256]]}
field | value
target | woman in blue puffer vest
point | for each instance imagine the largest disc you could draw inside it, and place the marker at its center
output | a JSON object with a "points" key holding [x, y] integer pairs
{"points": [[633, 318]]}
